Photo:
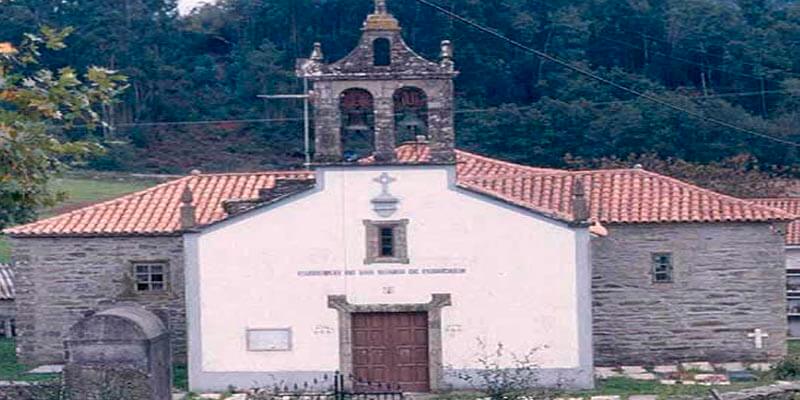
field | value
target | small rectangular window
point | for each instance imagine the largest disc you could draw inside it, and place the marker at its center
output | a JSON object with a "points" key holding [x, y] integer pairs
{"points": [[150, 277], [662, 268], [387, 241]]}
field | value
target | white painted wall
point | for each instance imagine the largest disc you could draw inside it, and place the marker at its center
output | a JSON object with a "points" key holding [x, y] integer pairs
{"points": [[520, 288]]}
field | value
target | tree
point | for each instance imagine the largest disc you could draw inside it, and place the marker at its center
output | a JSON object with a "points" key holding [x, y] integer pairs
{"points": [[732, 60], [35, 103]]}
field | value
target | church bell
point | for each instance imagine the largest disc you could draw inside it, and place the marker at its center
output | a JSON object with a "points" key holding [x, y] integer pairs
{"points": [[357, 121], [411, 125]]}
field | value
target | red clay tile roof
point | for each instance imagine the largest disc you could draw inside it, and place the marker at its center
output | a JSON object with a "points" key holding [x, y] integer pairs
{"points": [[624, 196], [792, 206], [614, 196], [469, 164], [155, 211]]}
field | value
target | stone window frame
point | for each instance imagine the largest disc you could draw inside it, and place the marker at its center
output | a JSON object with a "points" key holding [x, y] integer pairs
{"points": [[166, 272], [656, 263], [433, 308], [373, 241]]}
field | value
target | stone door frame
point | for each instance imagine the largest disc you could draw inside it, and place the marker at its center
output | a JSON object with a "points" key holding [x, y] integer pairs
{"points": [[434, 310]]}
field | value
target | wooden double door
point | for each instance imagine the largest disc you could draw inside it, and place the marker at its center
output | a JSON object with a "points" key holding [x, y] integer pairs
{"points": [[391, 348]]}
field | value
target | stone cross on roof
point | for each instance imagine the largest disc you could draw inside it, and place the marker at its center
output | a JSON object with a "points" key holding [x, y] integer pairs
{"points": [[385, 180]]}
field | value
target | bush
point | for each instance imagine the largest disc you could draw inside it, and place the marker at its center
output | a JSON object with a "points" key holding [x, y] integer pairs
{"points": [[788, 368], [503, 375]]}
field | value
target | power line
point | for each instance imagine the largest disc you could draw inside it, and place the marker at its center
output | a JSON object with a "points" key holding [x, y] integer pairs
{"points": [[704, 52], [685, 61], [695, 50], [600, 78], [464, 111], [601, 103], [179, 123]]}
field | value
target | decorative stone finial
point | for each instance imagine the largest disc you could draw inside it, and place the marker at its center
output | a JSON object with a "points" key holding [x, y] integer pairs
{"points": [[447, 54], [380, 7], [381, 20], [580, 209], [447, 50], [316, 54], [188, 218], [187, 197]]}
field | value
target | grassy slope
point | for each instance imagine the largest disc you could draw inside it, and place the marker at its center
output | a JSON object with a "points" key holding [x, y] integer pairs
{"points": [[82, 191], [10, 370], [5, 250]]}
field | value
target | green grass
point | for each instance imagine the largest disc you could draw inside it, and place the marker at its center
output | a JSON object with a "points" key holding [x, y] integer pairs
{"points": [[11, 370], [5, 250], [626, 387], [81, 191], [794, 347], [180, 377]]}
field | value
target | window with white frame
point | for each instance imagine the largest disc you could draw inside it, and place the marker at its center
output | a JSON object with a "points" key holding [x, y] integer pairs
{"points": [[150, 277]]}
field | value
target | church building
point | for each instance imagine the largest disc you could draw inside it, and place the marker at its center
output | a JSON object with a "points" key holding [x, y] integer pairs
{"points": [[397, 258]]}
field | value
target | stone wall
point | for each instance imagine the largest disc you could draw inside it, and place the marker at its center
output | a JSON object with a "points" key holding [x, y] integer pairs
{"points": [[7, 309], [787, 391], [60, 280], [729, 279], [30, 391]]}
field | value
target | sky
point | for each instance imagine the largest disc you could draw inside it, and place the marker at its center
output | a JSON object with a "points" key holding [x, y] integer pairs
{"points": [[186, 5]]}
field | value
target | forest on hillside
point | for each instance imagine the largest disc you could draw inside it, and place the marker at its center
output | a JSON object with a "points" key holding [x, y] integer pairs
{"points": [[732, 60]]}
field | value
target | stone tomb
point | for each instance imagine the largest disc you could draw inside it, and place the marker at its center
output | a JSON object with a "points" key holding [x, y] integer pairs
{"points": [[119, 353]]}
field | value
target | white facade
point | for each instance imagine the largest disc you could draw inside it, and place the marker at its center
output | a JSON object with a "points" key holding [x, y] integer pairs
{"points": [[514, 277]]}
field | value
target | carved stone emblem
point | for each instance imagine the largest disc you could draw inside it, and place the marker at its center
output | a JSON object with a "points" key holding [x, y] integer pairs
{"points": [[385, 204]]}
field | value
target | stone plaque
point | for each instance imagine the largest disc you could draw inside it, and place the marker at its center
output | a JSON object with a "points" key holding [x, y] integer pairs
{"points": [[269, 339]]}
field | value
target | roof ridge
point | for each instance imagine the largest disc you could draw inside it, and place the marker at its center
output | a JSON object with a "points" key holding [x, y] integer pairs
{"points": [[278, 172], [509, 163], [712, 192], [528, 174], [787, 198], [95, 206], [792, 200]]}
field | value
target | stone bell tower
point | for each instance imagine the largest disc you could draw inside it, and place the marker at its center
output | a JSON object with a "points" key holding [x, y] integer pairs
{"points": [[380, 95]]}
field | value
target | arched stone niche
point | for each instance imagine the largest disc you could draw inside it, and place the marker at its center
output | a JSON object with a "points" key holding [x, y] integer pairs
{"points": [[123, 349]]}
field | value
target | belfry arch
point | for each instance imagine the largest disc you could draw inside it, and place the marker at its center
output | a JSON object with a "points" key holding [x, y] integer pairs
{"points": [[401, 97], [410, 114], [357, 135]]}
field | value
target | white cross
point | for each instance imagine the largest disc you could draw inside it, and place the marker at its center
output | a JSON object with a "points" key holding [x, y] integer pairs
{"points": [[758, 336], [385, 180]]}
